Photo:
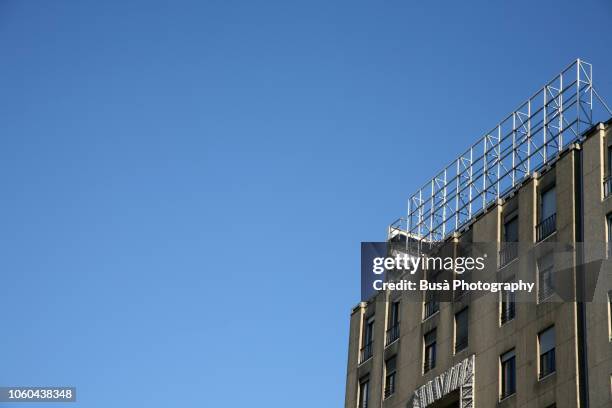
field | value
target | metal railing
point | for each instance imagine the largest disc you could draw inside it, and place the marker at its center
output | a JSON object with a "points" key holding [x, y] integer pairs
{"points": [[389, 391], [607, 185], [431, 306], [508, 253], [366, 352], [530, 137], [508, 312], [546, 227], [392, 334]]}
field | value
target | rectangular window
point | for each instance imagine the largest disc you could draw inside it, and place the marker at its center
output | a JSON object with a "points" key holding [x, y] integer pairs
{"points": [[548, 214], [509, 246], [461, 330], [393, 324], [368, 340], [390, 376], [508, 374], [507, 308], [546, 283], [608, 176], [548, 204], [432, 304], [429, 357], [609, 241], [546, 344], [511, 230], [364, 393], [610, 313]]}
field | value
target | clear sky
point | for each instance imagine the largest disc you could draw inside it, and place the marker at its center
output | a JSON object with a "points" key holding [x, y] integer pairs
{"points": [[185, 184]]}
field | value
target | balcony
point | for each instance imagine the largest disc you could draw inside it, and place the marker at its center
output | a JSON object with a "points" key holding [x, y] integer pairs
{"points": [[507, 312], [431, 306], [546, 227], [607, 185], [392, 334], [365, 353], [508, 253], [389, 391]]}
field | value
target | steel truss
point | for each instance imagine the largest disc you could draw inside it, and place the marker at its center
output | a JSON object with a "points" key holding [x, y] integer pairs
{"points": [[526, 140]]}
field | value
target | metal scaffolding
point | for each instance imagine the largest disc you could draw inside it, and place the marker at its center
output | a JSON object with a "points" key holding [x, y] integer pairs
{"points": [[524, 141]]}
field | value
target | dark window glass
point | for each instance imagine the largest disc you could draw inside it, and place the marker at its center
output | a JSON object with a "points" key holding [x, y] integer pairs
{"points": [[364, 393], [546, 341], [511, 230], [546, 277], [461, 330], [508, 306], [390, 376], [548, 204], [508, 374], [609, 222], [429, 358], [393, 325], [432, 303], [368, 340]]}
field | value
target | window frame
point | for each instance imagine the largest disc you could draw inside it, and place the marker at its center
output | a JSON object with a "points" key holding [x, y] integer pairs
{"points": [[552, 351], [503, 393], [430, 363], [390, 378], [465, 344]]}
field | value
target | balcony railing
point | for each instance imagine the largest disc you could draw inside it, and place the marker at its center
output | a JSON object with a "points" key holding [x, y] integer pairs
{"points": [[365, 352], [429, 364], [607, 185], [507, 312], [389, 390], [392, 334], [431, 307], [508, 253], [389, 385], [546, 227], [547, 363]]}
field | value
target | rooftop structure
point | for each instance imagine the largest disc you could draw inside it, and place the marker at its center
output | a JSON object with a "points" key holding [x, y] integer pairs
{"points": [[527, 140]]}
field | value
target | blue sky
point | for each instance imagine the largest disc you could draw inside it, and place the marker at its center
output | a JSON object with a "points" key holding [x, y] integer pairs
{"points": [[185, 184]]}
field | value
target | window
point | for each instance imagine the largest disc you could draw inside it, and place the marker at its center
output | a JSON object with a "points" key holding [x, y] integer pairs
{"points": [[608, 177], [546, 345], [368, 339], [364, 393], [429, 357], [432, 304], [507, 307], [546, 285], [509, 248], [390, 374], [548, 214], [508, 374], [393, 327], [610, 312], [461, 330], [609, 241]]}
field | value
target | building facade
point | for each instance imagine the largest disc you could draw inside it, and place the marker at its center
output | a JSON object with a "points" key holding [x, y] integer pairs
{"points": [[495, 351]]}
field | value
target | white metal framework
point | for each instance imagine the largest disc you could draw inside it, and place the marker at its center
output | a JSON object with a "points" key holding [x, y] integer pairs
{"points": [[458, 377], [530, 137]]}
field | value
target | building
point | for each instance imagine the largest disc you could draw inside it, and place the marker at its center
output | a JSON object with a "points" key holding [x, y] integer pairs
{"points": [[495, 351]]}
